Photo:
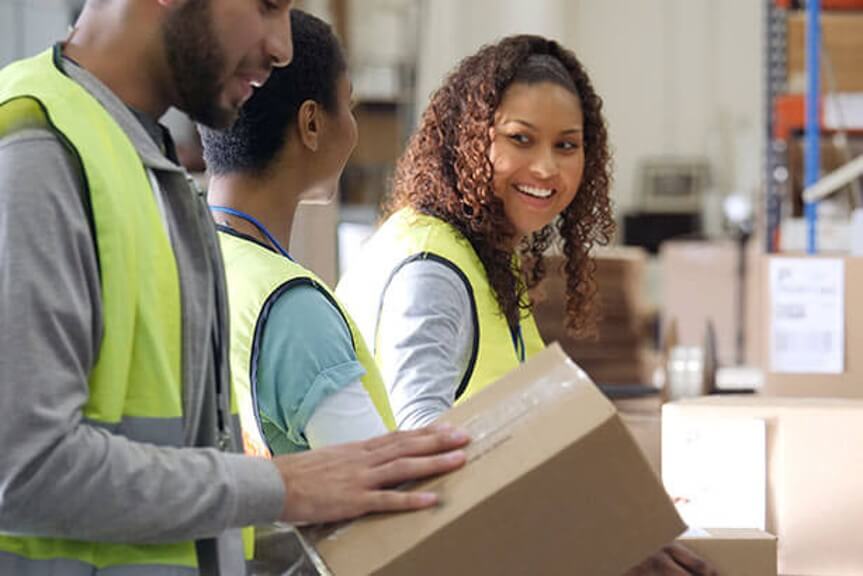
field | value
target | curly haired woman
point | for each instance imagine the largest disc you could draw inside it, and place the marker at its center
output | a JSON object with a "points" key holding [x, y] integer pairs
{"points": [[511, 155]]}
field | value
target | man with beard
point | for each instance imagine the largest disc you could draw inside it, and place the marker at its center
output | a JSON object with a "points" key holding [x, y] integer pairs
{"points": [[119, 436]]}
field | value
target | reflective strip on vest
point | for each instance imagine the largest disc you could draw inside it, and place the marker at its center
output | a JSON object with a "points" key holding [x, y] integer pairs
{"points": [[256, 275], [159, 431], [14, 565]]}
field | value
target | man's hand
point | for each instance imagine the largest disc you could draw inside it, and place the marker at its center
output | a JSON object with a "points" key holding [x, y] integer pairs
{"points": [[673, 560], [349, 480]]}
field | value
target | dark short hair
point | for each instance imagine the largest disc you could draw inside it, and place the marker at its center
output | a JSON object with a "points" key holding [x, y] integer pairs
{"points": [[255, 139]]}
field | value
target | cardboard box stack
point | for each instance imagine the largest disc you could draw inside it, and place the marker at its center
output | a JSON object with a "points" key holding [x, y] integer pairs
{"points": [[554, 485], [784, 460], [622, 353], [791, 466]]}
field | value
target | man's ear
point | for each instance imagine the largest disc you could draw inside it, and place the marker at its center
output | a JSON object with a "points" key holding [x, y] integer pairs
{"points": [[309, 124]]}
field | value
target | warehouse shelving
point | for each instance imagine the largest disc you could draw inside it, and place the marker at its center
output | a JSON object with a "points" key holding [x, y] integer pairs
{"points": [[786, 112]]}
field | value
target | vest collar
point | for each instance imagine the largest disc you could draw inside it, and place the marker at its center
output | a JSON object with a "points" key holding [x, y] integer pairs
{"points": [[151, 156]]}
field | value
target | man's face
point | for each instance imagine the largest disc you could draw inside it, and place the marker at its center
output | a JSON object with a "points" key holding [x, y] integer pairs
{"points": [[218, 50]]}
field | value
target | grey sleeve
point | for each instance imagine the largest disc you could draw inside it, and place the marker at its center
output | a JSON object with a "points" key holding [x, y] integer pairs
{"points": [[60, 477], [425, 338]]}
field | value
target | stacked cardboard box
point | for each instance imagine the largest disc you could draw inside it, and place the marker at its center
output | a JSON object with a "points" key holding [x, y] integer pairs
{"points": [[622, 352], [554, 485], [791, 466]]}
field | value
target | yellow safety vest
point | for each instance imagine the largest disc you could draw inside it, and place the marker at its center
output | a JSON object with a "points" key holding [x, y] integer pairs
{"points": [[407, 236], [135, 387], [256, 277]]}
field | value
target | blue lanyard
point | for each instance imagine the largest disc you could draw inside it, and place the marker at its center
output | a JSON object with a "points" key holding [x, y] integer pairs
{"points": [[518, 343], [256, 223]]}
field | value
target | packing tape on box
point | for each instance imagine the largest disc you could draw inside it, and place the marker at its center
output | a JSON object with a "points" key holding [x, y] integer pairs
{"points": [[487, 430], [492, 427]]}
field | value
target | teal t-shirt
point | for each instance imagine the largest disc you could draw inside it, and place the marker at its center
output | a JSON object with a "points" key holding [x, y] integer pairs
{"points": [[306, 354]]}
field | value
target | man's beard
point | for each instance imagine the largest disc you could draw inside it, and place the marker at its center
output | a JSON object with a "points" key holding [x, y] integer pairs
{"points": [[196, 63]]}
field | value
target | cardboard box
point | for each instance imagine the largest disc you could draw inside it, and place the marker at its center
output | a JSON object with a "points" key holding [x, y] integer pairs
{"points": [[833, 155], [642, 417], [846, 384], [712, 267], [382, 134], [554, 485], [314, 238], [734, 552], [790, 466], [621, 351], [842, 43], [755, 304]]}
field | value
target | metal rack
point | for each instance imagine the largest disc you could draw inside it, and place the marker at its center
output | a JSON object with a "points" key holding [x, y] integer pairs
{"points": [[776, 154], [787, 114], [812, 157]]}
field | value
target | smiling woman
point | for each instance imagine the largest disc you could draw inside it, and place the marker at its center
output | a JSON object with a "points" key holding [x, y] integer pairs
{"points": [[537, 154], [511, 155]]}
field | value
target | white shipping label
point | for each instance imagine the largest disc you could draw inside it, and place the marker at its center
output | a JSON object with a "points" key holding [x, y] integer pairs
{"points": [[715, 470], [807, 315]]}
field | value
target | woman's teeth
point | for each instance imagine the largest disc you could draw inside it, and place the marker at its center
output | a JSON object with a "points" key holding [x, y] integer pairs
{"points": [[535, 192]]}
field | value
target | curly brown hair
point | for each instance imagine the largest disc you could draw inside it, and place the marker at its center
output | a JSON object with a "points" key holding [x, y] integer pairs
{"points": [[446, 172]]}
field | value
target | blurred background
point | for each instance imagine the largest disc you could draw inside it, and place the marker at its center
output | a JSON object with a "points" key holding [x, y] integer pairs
{"points": [[704, 100]]}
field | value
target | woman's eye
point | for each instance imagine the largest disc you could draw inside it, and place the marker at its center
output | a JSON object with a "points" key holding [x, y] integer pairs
{"points": [[567, 146], [269, 5], [519, 138]]}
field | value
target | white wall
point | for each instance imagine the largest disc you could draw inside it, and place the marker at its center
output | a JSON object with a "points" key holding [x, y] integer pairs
{"points": [[29, 26], [453, 29], [679, 77]]}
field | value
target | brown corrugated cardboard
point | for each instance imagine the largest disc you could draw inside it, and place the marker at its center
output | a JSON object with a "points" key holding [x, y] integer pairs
{"points": [[848, 384], [642, 419], [755, 295], [735, 551], [700, 285], [833, 154], [842, 39], [805, 488], [620, 353], [554, 485]]}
